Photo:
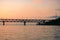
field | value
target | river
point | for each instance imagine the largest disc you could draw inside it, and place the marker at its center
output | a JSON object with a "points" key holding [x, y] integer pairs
{"points": [[16, 31]]}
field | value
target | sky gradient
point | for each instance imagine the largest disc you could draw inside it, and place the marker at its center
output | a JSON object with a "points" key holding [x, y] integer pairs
{"points": [[29, 8]]}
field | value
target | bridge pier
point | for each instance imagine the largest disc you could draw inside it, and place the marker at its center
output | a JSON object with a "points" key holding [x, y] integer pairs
{"points": [[3, 22], [24, 22]]}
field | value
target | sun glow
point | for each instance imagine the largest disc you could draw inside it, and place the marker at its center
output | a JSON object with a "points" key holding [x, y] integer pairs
{"points": [[27, 8]]}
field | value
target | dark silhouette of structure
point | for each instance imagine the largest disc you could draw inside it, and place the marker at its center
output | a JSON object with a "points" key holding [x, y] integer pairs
{"points": [[51, 22], [22, 20], [38, 21], [3, 22]]}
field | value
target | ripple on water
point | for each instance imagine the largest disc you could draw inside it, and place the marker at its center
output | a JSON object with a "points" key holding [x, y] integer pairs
{"points": [[17, 32]]}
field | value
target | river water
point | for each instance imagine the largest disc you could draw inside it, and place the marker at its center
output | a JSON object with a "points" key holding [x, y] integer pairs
{"points": [[16, 31]]}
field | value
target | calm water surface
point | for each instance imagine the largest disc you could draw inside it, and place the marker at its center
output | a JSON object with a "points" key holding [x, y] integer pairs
{"points": [[29, 32]]}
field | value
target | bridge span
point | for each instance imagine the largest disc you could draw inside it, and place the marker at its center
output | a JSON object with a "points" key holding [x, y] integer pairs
{"points": [[23, 20]]}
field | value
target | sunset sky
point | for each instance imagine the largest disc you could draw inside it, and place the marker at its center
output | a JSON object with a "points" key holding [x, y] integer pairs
{"points": [[29, 8]]}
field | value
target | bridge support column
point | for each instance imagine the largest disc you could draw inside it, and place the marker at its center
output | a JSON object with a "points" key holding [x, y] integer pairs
{"points": [[3, 22], [24, 22]]}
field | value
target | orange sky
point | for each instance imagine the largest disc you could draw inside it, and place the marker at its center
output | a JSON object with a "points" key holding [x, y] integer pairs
{"points": [[28, 8]]}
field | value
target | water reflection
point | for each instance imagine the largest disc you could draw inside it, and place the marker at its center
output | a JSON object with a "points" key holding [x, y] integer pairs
{"points": [[29, 32], [57, 33]]}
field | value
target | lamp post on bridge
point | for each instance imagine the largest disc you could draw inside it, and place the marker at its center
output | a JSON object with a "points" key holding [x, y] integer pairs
{"points": [[57, 13]]}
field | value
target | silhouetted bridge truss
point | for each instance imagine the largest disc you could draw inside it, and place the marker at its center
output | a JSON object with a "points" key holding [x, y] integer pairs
{"points": [[23, 20]]}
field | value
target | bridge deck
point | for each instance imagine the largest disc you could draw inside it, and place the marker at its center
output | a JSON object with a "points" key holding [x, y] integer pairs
{"points": [[23, 20], [20, 20]]}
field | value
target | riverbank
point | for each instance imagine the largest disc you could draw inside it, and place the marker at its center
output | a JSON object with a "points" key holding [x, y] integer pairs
{"points": [[52, 22]]}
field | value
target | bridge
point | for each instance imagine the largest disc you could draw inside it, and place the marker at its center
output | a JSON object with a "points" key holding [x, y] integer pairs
{"points": [[24, 20]]}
